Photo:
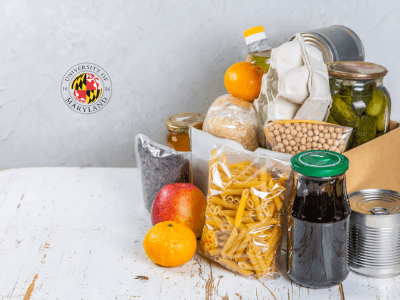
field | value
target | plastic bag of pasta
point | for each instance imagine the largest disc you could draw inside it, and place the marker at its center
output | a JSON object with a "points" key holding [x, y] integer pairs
{"points": [[244, 217]]}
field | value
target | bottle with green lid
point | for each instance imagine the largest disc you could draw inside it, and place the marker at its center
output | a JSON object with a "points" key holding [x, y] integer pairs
{"points": [[318, 219], [257, 45]]}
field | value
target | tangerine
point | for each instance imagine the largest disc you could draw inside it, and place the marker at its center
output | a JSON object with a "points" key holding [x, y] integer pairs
{"points": [[170, 244], [243, 80]]}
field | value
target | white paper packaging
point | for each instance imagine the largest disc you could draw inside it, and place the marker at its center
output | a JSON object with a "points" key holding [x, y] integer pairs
{"points": [[295, 87]]}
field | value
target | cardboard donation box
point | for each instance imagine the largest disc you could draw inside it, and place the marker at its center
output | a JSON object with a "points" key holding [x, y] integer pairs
{"points": [[376, 164], [373, 165]]}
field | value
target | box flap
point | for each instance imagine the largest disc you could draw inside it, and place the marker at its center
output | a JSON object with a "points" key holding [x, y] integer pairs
{"points": [[375, 164]]}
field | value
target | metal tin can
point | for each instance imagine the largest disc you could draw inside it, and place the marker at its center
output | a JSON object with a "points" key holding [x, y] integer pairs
{"points": [[337, 43], [374, 234]]}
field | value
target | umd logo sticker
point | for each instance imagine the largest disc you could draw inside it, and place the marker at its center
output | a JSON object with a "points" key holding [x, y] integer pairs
{"points": [[86, 88]]}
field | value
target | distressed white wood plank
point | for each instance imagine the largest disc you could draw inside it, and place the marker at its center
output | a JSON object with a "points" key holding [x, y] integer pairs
{"points": [[360, 288], [71, 233]]}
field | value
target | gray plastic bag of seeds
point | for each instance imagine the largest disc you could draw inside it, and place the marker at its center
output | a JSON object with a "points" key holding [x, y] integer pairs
{"points": [[158, 166]]}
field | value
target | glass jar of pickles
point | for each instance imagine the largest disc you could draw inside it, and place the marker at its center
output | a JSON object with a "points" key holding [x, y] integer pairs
{"points": [[178, 129], [360, 100]]}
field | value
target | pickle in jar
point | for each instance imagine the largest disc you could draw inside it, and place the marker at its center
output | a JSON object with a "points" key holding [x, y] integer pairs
{"points": [[335, 86], [366, 131], [382, 121], [362, 89], [331, 120], [351, 140], [359, 105], [377, 104], [343, 113], [346, 91]]}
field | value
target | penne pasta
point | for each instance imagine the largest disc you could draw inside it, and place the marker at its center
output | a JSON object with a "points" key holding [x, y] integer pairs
{"points": [[271, 210], [245, 258], [214, 223], [242, 163], [254, 261], [242, 206], [226, 227], [247, 219], [232, 192], [249, 204], [242, 230], [215, 187], [217, 209], [264, 187], [277, 201], [231, 264], [236, 243], [232, 213], [264, 223], [210, 208], [260, 260], [240, 251], [228, 198], [246, 266], [231, 221], [223, 203], [229, 242], [216, 251], [243, 185], [263, 174], [273, 240], [257, 205]]}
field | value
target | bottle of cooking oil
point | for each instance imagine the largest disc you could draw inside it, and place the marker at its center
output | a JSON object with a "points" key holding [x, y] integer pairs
{"points": [[257, 46]]}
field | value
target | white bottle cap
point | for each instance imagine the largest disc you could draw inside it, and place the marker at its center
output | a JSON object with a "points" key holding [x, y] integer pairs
{"points": [[254, 34], [255, 38]]}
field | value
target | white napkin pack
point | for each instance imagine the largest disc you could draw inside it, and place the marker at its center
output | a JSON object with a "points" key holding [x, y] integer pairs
{"points": [[295, 87]]}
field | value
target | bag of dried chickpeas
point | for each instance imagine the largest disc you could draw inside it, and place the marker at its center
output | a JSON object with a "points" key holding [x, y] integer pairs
{"points": [[244, 215], [294, 136]]}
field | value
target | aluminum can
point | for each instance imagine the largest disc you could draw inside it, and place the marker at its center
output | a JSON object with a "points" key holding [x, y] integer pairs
{"points": [[337, 43], [374, 233]]}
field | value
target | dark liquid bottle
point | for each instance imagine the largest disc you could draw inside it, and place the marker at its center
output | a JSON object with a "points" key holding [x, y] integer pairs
{"points": [[317, 231]]}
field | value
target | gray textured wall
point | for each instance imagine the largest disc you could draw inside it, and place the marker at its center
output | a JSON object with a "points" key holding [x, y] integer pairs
{"points": [[163, 57]]}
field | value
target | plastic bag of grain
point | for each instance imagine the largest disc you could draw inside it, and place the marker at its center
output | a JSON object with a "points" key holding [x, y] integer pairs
{"points": [[233, 119], [158, 166]]}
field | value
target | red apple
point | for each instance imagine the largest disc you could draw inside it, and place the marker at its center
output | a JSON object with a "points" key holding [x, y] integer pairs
{"points": [[180, 202]]}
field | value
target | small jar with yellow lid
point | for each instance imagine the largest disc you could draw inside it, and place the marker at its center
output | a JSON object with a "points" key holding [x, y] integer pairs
{"points": [[178, 129]]}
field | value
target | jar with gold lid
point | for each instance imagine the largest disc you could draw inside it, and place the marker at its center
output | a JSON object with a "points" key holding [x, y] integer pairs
{"points": [[178, 129], [360, 99]]}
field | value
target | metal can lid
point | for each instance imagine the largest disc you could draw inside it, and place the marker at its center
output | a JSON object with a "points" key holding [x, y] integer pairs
{"points": [[375, 202], [180, 123], [356, 70], [320, 163]]}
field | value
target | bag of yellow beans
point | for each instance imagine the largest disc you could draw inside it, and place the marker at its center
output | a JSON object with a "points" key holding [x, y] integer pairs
{"points": [[246, 192], [294, 136]]}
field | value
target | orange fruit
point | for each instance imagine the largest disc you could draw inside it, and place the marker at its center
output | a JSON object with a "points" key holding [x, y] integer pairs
{"points": [[243, 80], [170, 244]]}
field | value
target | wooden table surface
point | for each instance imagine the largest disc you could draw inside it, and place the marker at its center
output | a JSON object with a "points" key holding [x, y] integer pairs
{"points": [[77, 233]]}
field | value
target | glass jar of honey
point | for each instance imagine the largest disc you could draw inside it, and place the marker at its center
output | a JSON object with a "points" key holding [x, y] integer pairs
{"points": [[178, 129]]}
